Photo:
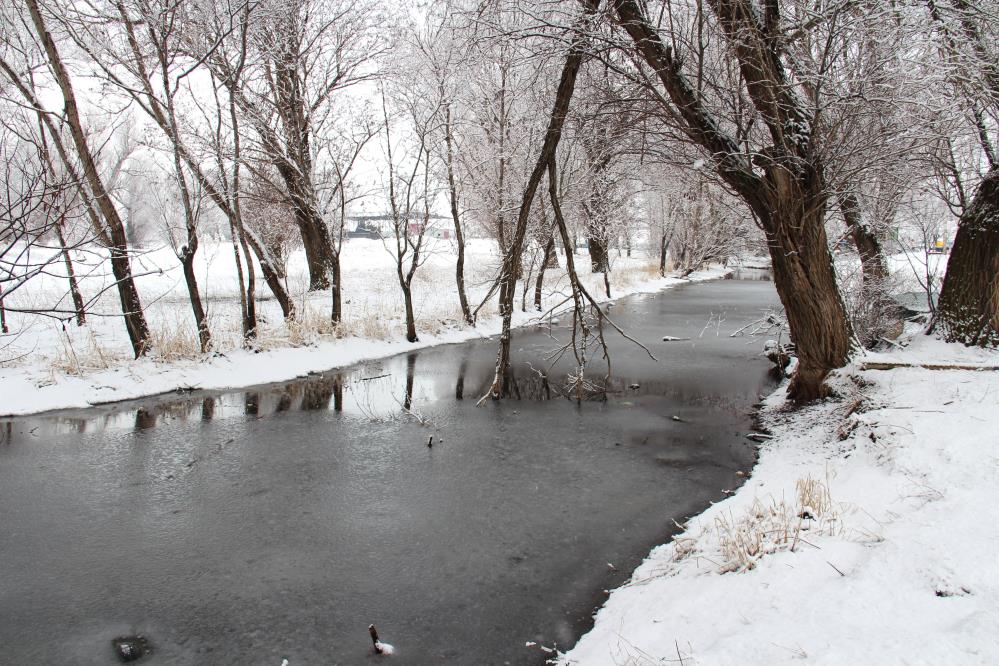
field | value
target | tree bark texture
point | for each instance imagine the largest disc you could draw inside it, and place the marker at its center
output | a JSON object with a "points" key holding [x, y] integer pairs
{"points": [[968, 309]]}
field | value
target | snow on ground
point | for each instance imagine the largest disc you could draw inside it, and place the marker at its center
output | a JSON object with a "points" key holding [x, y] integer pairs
{"points": [[865, 534], [47, 364]]}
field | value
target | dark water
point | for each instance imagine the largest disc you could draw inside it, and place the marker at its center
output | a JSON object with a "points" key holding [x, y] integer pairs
{"points": [[279, 522]]}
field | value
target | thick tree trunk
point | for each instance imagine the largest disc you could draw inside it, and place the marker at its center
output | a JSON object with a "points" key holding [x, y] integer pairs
{"points": [[968, 309], [74, 288], [131, 305], [3, 318], [598, 253], [787, 198], [200, 317], [319, 253], [806, 285]]}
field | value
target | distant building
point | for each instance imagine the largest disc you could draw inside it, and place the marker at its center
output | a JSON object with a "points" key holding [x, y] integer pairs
{"points": [[380, 225]]}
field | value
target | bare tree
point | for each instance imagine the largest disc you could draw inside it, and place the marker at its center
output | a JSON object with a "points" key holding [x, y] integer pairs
{"points": [[306, 53], [409, 194], [782, 181], [113, 230]]}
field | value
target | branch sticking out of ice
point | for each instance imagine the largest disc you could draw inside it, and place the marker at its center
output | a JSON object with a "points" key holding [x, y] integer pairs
{"points": [[380, 648]]}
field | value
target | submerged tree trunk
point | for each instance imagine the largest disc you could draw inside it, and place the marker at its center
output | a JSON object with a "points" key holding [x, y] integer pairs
{"points": [[131, 305], [968, 309]]}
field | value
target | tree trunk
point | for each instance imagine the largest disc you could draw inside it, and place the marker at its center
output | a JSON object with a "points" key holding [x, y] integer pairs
{"points": [[806, 284], [200, 318], [241, 280], [131, 305], [787, 198], [545, 263], [968, 309], [598, 253], [459, 234], [336, 292], [875, 313], [128, 296], [663, 248], [3, 318], [512, 258], [407, 294], [872, 256], [319, 253], [74, 288], [271, 276]]}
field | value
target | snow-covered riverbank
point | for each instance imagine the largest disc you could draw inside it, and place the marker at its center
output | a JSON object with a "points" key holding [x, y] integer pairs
{"points": [[865, 534], [69, 367]]}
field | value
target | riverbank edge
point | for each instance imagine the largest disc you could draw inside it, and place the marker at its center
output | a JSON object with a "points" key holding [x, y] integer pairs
{"points": [[832, 551], [37, 389]]}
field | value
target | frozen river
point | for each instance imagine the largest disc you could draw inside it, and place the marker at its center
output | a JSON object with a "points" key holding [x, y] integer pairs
{"points": [[280, 521]]}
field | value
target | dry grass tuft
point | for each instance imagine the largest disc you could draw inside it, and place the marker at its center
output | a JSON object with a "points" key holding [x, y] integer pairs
{"points": [[764, 528], [74, 359], [174, 343], [776, 526]]}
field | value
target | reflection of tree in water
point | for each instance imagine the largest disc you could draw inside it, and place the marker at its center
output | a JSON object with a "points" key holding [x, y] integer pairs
{"points": [[459, 386], [318, 392], [208, 408], [407, 403], [145, 419], [285, 399], [251, 404]]}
